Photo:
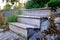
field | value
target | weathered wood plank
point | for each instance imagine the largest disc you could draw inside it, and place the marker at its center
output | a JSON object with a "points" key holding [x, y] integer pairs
{"points": [[22, 29], [40, 13], [29, 21], [32, 17]]}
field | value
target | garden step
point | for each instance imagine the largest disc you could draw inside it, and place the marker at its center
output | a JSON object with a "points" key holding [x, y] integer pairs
{"points": [[32, 16], [30, 20], [22, 29], [24, 16], [42, 12]]}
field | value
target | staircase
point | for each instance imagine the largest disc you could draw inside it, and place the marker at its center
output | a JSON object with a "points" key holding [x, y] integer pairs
{"points": [[29, 22]]}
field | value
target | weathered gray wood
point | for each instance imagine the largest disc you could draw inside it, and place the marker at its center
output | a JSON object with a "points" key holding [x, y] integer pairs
{"points": [[9, 35], [21, 29], [23, 26], [18, 30], [29, 21], [37, 12], [32, 17]]}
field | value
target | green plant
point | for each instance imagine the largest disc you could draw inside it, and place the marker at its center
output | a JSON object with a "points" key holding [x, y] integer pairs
{"points": [[54, 3], [7, 7], [11, 18], [2, 26], [35, 4], [17, 11]]}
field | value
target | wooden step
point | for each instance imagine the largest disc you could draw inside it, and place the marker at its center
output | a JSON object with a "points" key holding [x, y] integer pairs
{"points": [[37, 12], [30, 20], [32, 17], [22, 29]]}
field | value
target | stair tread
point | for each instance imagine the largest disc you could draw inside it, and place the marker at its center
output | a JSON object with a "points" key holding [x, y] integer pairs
{"points": [[24, 16], [21, 25]]}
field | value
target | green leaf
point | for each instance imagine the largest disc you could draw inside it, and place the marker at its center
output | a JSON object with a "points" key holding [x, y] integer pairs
{"points": [[36, 4], [11, 18]]}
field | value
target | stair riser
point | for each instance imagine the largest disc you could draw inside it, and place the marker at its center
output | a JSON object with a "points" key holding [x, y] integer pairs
{"points": [[40, 13], [29, 21], [20, 31]]}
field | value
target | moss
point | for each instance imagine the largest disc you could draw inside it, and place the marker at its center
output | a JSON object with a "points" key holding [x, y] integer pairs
{"points": [[2, 26]]}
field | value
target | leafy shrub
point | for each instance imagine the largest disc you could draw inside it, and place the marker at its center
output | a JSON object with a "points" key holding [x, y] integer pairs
{"points": [[7, 7], [11, 18], [35, 4], [54, 3]]}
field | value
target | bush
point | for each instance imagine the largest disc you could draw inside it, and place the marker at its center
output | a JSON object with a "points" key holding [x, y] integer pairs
{"points": [[11, 18], [7, 7], [36, 4], [54, 3]]}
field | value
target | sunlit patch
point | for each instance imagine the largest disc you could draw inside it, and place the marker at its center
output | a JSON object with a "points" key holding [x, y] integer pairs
{"points": [[23, 1], [2, 4]]}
